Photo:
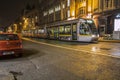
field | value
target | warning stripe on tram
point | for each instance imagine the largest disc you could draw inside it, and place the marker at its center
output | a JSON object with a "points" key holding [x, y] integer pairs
{"points": [[68, 48]]}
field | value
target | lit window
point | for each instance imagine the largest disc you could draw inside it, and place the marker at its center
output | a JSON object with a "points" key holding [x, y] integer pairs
{"points": [[68, 13], [45, 13], [68, 2], [108, 3], [82, 10], [36, 17], [63, 6], [57, 8], [51, 11]]}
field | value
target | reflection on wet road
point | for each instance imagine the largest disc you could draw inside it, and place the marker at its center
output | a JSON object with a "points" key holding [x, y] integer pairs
{"points": [[101, 48]]}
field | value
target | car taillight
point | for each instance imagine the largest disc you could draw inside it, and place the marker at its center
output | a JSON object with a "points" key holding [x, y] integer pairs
{"points": [[20, 44]]}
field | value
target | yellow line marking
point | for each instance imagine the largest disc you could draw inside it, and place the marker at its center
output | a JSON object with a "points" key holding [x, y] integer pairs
{"points": [[64, 35], [68, 48]]}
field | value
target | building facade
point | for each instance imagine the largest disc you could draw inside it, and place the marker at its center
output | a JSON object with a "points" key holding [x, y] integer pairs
{"points": [[57, 10], [103, 12]]}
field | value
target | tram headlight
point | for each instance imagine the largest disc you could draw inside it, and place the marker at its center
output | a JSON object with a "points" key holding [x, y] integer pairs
{"points": [[98, 35], [93, 35]]}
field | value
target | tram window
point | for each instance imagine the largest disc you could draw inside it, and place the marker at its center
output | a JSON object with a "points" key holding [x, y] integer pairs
{"points": [[55, 29], [51, 31], [35, 32], [61, 29], [48, 31], [40, 31], [74, 28], [67, 29], [92, 27], [84, 29]]}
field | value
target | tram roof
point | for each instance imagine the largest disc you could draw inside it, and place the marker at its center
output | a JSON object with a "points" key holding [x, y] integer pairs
{"points": [[64, 22]]}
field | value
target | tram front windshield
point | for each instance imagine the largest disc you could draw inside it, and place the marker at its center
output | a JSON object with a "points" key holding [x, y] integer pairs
{"points": [[92, 26], [84, 29]]}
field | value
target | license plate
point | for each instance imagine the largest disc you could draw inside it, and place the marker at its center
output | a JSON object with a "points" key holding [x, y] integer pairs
{"points": [[8, 53]]}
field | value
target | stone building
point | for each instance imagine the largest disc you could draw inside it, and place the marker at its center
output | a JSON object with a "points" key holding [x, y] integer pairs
{"points": [[103, 12]]}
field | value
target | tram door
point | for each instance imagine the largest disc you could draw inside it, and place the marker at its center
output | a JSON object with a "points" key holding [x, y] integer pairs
{"points": [[74, 32], [48, 33], [56, 33]]}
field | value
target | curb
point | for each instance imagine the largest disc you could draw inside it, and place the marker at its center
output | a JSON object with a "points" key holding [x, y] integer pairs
{"points": [[114, 41], [5, 75]]}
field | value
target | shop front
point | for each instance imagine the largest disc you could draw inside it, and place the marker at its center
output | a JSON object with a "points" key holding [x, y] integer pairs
{"points": [[108, 24], [116, 31]]}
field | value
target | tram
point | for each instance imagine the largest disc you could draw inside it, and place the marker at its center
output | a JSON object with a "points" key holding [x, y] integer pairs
{"points": [[83, 30]]}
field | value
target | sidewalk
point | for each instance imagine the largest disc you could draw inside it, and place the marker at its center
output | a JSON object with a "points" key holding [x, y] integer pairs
{"points": [[108, 40], [5, 75]]}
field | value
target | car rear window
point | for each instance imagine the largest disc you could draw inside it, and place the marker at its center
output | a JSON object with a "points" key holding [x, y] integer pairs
{"points": [[9, 37]]}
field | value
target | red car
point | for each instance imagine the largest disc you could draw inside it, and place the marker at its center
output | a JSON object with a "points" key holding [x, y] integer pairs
{"points": [[10, 44]]}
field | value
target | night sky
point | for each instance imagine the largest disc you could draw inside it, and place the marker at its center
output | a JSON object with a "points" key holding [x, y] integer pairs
{"points": [[10, 10]]}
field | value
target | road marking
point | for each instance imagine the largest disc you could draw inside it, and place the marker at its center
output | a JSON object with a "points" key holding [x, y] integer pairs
{"points": [[91, 52]]}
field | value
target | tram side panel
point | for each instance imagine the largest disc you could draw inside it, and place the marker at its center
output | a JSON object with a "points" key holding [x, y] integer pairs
{"points": [[65, 32]]}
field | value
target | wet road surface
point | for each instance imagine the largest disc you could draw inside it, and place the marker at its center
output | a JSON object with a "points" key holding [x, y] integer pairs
{"points": [[48, 62], [100, 48]]}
